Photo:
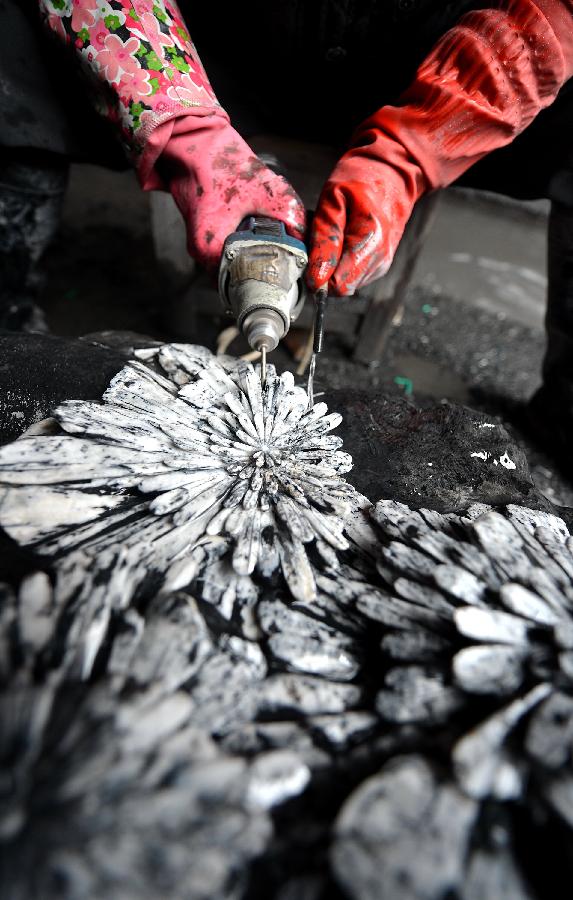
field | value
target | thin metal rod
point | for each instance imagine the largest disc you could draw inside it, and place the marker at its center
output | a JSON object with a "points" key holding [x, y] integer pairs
{"points": [[263, 365], [320, 309], [310, 384], [317, 337]]}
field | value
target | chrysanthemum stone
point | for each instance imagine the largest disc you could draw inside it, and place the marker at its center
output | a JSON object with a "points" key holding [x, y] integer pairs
{"points": [[199, 461]]}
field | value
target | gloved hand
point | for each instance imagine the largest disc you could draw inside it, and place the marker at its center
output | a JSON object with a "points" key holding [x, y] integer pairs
{"points": [[481, 86], [362, 212], [150, 83], [216, 180]]}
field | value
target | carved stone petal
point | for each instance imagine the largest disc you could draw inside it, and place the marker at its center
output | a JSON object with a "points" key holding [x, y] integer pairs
{"points": [[398, 816], [396, 613], [493, 669], [550, 734], [57, 459], [415, 646], [416, 694], [30, 514], [276, 617], [305, 654], [306, 695], [297, 570], [36, 613], [491, 625], [532, 519], [422, 595], [274, 778], [557, 548], [460, 583], [525, 603], [478, 756]]}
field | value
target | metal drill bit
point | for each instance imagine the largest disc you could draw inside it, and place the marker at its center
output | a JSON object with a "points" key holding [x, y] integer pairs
{"points": [[263, 365], [310, 385], [320, 307]]}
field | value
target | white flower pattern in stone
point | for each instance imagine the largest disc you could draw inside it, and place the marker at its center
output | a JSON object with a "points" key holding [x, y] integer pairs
{"points": [[171, 468], [481, 606], [436, 653]]}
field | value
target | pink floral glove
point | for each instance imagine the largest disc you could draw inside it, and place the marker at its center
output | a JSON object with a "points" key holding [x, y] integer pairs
{"points": [[217, 180], [150, 82]]}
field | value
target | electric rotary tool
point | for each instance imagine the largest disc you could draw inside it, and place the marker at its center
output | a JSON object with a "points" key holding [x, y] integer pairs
{"points": [[261, 281]]}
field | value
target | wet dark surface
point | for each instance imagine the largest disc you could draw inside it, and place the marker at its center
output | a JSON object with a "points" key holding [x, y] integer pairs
{"points": [[446, 349], [444, 457], [38, 371]]}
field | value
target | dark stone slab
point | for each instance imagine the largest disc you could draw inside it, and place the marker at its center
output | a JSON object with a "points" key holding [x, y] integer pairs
{"points": [[444, 457], [38, 371]]}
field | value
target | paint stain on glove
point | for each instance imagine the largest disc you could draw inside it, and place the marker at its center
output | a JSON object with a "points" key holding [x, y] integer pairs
{"points": [[217, 180]]}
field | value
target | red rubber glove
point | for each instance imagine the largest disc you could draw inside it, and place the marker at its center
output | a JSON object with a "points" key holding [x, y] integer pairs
{"points": [[482, 85], [150, 83]]}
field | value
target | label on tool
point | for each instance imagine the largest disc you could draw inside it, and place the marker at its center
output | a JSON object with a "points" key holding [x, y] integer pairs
{"points": [[265, 264]]}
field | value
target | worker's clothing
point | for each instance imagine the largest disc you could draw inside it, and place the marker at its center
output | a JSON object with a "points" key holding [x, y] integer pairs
{"points": [[292, 82], [482, 84], [140, 59], [550, 412], [32, 185], [151, 84], [558, 363], [44, 105], [549, 415]]}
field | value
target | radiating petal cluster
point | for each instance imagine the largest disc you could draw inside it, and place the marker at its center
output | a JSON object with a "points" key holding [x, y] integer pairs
{"points": [[477, 613], [421, 684], [191, 454]]}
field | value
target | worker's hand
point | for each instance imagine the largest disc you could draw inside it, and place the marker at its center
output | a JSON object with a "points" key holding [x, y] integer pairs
{"points": [[151, 84], [361, 215], [482, 85], [217, 180]]}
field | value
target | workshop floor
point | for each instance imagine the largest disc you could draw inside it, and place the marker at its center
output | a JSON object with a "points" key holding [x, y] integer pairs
{"points": [[472, 331]]}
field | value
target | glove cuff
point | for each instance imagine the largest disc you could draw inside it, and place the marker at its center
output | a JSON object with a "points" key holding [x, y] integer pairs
{"points": [[481, 86], [157, 166]]}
